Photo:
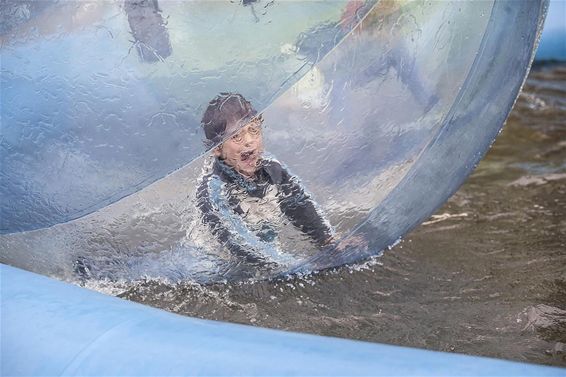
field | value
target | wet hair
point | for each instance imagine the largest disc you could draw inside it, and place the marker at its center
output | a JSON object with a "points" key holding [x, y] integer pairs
{"points": [[225, 110]]}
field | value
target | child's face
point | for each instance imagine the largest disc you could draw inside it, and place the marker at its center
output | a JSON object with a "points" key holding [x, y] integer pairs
{"points": [[243, 150]]}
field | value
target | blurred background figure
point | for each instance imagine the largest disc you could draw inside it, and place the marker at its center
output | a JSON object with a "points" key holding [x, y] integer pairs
{"points": [[399, 49], [15, 13], [251, 3], [398, 54], [151, 37]]}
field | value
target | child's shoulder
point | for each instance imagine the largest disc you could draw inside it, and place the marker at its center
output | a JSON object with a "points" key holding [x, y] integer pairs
{"points": [[276, 170], [271, 162]]}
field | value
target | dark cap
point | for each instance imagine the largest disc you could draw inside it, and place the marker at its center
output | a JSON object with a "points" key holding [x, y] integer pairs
{"points": [[223, 113]]}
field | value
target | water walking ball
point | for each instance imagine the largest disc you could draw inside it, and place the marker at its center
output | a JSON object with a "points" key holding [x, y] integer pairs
{"points": [[378, 109]]}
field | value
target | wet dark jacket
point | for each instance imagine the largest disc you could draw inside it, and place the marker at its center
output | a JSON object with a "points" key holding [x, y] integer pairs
{"points": [[291, 198]]}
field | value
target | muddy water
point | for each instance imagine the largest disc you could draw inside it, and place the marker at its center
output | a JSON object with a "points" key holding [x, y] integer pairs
{"points": [[486, 275]]}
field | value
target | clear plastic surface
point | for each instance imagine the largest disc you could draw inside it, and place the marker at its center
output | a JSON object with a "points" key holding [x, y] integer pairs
{"points": [[375, 111]]}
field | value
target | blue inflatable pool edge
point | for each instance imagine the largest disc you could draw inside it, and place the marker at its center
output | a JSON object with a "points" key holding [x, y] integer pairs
{"points": [[54, 328]]}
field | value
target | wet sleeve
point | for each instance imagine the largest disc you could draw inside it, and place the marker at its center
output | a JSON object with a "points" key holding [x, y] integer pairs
{"points": [[299, 207], [212, 217]]}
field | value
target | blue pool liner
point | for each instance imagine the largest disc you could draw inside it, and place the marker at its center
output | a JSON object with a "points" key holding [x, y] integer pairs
{"points": [[51, 328]]}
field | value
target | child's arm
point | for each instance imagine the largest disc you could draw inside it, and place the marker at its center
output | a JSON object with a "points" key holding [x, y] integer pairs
{"points": [[211, 217], [302, 211]]}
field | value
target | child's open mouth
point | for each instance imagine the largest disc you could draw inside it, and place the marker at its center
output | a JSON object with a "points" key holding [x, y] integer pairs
{"points": [[244, 156]]}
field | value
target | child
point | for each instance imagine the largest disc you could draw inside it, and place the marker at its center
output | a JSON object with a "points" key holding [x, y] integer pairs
{"points": [[246, 198]]}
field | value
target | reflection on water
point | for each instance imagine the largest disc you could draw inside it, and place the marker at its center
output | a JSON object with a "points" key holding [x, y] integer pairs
{"points": [[485, 276]]}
